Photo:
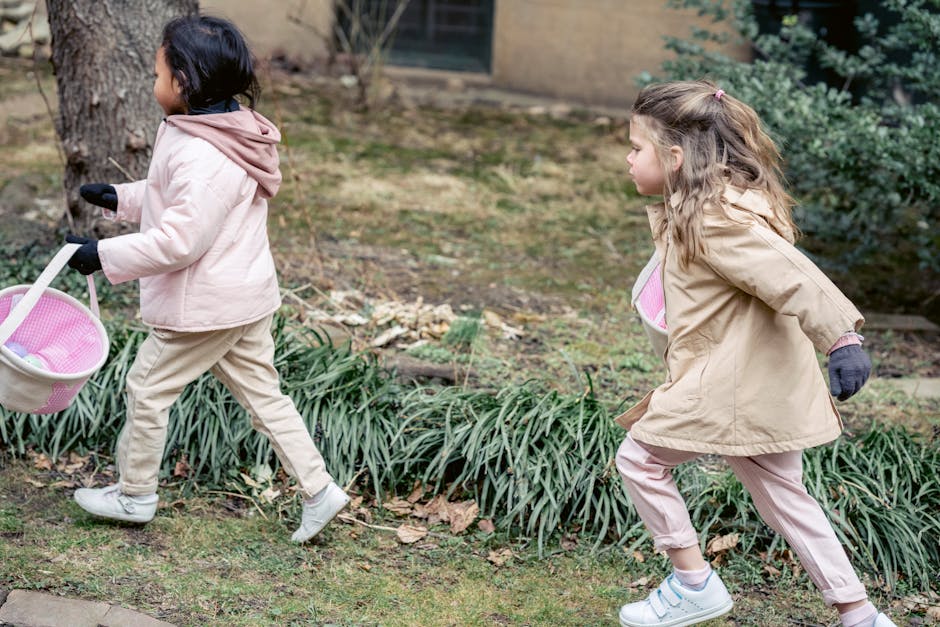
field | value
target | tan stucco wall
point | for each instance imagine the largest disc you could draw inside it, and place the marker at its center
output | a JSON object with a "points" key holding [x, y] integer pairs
{"points": [[273, 28], [582, 51], [586, 51]]}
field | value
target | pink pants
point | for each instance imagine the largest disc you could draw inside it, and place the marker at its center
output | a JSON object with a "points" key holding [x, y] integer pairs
{"points": [[775, 482]]}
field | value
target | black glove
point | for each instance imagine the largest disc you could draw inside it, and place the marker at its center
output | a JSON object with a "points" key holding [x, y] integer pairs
{"points": [[100, 194], [85, 259], [849, 368]]}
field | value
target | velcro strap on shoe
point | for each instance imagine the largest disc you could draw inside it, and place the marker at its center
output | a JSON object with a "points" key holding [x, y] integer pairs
{"points": [[127, 504], [655, 601], [668, 592]]}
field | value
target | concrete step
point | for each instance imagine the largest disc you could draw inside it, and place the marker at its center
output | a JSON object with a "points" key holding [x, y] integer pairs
{"points": [[23, 608]]}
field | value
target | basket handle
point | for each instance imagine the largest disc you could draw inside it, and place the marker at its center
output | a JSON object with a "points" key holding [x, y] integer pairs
{"points": [[31, 297]]}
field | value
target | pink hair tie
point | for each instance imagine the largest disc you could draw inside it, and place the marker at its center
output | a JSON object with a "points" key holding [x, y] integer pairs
{"points": [[719, 94]]}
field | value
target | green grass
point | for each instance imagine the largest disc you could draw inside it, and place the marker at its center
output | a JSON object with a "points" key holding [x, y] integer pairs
{"points": [[538, 222], [200, 563]]}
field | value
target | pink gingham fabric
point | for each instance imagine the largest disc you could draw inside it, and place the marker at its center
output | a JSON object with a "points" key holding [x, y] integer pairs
{"points": [[62, 334]]}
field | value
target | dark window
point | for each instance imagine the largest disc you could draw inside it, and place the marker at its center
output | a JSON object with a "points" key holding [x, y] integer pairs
{"points": [[442, 34]]}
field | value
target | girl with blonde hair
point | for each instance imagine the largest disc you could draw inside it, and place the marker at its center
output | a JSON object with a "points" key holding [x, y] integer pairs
{"points": [[744, 311]]}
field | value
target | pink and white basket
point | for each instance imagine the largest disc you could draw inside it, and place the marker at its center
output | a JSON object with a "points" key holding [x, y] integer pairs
{"points": [[650, 302], [50, 344]]}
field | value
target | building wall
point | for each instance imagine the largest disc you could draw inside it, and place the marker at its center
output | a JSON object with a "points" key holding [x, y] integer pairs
{"points": [[587, 51], [295, 28], [582, 51]]}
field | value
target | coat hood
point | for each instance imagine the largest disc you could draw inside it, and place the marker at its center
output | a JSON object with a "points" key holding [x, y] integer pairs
{"points": [[755, 202], [244, 136]]}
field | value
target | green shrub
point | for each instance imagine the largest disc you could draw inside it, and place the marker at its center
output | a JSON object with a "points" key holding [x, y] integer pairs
{"points": [[862, 158]]}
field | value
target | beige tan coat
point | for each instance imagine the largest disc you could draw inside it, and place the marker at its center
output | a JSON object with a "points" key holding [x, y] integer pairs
{"points": [[743, 321]]}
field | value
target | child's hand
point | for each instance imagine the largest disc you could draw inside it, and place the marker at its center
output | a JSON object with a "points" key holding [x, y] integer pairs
{"points": [[85, 259], [849, 368], [100, 194]]}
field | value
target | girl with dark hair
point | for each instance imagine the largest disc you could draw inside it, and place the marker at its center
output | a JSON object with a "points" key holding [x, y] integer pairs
{"points": [[744, 311], [208, 285]]}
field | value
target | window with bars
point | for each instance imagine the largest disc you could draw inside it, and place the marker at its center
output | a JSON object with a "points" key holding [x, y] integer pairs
{"points": [[441, 34]]}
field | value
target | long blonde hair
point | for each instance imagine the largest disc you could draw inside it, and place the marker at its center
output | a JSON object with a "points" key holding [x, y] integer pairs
{"points": [[722, 142]]}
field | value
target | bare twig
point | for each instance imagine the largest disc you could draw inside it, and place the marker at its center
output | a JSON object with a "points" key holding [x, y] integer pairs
{"points": [[121, 169], [352, 481], [240, 496]]}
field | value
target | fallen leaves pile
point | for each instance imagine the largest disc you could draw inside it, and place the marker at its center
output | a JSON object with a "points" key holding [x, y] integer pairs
{"points": [[391, 323]]}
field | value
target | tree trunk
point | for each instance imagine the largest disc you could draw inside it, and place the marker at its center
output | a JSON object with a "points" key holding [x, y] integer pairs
{"points": [[103, 54]]}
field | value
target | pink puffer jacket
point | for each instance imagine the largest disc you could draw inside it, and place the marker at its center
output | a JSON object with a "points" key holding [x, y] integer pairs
{"points": [[202, 254]]}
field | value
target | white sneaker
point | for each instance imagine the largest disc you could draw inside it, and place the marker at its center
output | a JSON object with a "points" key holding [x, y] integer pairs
{"points": [[674, 605], [331, 501], [110, 502], [883, 621]]}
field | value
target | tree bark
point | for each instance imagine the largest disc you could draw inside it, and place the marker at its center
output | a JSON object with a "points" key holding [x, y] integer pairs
{"points": [[103, 54]]}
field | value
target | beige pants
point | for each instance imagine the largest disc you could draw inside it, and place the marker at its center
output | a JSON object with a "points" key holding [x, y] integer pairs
{"points": [[242, 359]]}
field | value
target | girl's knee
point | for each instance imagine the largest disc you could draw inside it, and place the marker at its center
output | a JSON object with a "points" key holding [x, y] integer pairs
{"points": [[630, 458]]}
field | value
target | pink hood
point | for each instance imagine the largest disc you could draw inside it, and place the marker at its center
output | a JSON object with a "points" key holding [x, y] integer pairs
{"points": [[244, 136]]}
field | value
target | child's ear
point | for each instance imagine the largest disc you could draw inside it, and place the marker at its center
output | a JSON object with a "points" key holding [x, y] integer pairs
{"points": [[677, 157]]}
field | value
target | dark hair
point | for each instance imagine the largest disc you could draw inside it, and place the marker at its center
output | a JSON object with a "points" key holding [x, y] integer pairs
{"points": [[210, 59]]}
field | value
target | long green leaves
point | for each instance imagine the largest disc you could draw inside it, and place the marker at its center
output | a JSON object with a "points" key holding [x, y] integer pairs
{"points": [[537, 462]]}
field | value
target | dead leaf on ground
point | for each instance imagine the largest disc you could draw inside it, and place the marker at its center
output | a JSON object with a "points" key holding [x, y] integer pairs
{"points": [[73, 463], [409, 534], [388, 335], [416, 493], [41, 462], [639, 583], [770, 570], [248, 480], [181, 469], [437, 510], [720, 544], [486, 525], [499, 557], [462, 515], [269, 495], [398, 506]]}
